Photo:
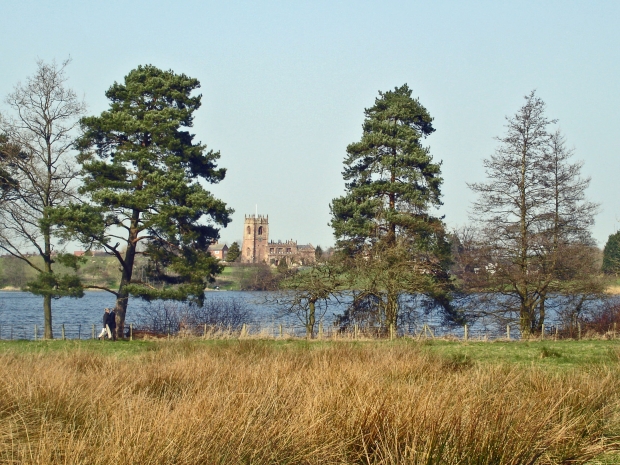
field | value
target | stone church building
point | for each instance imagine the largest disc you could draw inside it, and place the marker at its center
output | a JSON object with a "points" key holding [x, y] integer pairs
{"points": [[257, 248]]}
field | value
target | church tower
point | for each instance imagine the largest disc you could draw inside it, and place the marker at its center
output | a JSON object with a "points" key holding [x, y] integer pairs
{"points": [[255, 238]]}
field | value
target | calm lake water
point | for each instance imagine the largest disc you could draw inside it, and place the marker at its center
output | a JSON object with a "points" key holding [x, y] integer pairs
{"points": [[21, 311]]}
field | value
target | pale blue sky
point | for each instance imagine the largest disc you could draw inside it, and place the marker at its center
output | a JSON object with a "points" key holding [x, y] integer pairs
{"points": [[285, 84]]}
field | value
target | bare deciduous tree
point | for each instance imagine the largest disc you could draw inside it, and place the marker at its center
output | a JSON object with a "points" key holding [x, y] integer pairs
{"points": [[45, 113], [533, 220], [308, 293]]}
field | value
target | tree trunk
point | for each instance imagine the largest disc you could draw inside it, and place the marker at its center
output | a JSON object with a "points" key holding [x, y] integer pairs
{"points": [[47, 299], [47, 316], [123, 296], [391, 311], [525, 316], [121, 311], [525, 323], [311, 320], [541, 315]]}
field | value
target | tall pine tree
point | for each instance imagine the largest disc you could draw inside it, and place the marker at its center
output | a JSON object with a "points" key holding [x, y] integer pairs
{"points": [[384, 221], [143, 175]]}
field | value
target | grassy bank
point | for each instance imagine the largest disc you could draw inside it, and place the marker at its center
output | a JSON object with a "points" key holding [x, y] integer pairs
{"points": [[104, 271], [253, 401], [98, 271]]}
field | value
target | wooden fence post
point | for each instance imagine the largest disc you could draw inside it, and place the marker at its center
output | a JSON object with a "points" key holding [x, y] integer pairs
{"points": [[93, 331], [280, 330], [542, 332], [80, 332], [579, 331], [320, 330], [391, 331], [466, 333], [508, 332], [131, 331], [35, 332], [62, 330], [355, 331]]}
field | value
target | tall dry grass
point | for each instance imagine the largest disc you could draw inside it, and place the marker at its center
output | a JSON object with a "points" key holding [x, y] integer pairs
{"points": [[256, 402]]}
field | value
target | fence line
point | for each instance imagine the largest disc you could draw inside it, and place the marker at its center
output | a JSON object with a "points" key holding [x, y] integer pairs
{"points": [[287, 330]]}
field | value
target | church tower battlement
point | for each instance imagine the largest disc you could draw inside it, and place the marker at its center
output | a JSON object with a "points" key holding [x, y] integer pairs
{"points": [[255, 238]]}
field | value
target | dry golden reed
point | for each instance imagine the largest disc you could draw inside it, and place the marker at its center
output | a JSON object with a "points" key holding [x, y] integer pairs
{"points": [[255, 402]]}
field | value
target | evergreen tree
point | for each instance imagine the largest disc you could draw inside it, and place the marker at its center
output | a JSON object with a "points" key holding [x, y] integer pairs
{"points": [[611, 254], [234, 252], [142, 174], [318, 253], [383, 222]]}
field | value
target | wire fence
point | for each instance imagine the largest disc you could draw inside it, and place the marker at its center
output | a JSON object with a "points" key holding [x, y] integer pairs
{"points": [[62, 331], [288, 330]]}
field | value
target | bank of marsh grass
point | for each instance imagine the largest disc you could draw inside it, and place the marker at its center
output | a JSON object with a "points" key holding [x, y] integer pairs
{"points": [[264, 402]]}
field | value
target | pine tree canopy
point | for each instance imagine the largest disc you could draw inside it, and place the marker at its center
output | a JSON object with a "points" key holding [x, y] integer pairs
{"points": [[391, 180], [611, 254], [143, 175]]}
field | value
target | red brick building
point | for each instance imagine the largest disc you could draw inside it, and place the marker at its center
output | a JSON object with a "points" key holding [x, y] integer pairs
{"points": [[219, 251]]}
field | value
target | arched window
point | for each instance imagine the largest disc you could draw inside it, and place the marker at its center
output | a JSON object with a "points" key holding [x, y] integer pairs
{"points": [[249, 231], [248, 251], [260, 230]]}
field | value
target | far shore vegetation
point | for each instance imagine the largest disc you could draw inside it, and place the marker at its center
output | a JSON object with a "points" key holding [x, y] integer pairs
{"points": [[101, 270]]}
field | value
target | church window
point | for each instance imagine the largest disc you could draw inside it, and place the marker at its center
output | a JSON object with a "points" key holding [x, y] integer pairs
{"points": [[248, 251], [249, 230], [260, 230], [288, 250], [279, 250], [271, 250]]}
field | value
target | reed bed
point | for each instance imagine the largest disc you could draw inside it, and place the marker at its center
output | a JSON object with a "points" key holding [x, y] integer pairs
{"points": [[257, 402]]}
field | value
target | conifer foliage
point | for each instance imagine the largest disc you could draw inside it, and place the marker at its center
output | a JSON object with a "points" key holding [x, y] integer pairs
{"points": [[611, 254], [234, 252], [143, 176], [383, 222]]}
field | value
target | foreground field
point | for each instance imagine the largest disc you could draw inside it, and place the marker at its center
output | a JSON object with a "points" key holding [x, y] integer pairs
{"points": [[252, 401]]}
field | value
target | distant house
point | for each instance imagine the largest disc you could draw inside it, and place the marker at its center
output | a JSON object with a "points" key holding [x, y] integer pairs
{"points": [[219, 251]]}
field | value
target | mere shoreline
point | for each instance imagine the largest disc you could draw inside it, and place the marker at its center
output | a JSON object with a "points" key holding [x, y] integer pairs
{"points": [[611, 290]]}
